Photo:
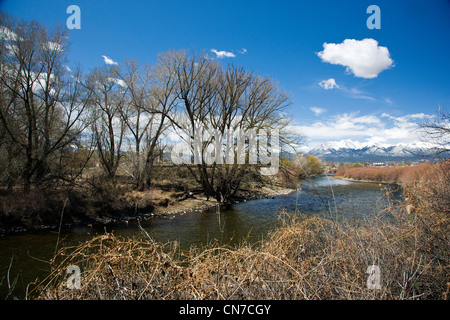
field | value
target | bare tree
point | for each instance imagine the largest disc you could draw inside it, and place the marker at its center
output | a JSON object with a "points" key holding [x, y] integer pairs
{"points": [[108, 128], [437, 195], [222, 101], [150, 98], [134, 113], [41, 107], [437, 132]]}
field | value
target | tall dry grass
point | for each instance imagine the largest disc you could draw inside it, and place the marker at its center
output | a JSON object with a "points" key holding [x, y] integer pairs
{"points": [[400, 175], [304, 258]]}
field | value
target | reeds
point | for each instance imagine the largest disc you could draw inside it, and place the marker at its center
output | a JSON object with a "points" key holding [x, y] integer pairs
{"points": [[400, 175]]}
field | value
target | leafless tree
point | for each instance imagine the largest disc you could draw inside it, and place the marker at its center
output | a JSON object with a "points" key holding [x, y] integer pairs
{"points": [[150, 98], [222, 100], [41, 102], [437, 132], [134, 113], [108, 128]]}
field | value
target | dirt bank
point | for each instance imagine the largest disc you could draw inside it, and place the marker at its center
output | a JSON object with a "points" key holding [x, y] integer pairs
{"points": [[47, 209]]}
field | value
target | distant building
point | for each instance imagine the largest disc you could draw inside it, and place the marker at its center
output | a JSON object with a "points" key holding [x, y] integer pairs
{"points": [[379, 164]]}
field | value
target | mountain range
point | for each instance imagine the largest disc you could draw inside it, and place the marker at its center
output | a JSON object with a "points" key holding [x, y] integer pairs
{"points": [[351, 151]]}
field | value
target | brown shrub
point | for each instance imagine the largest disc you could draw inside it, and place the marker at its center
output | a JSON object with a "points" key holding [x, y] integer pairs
{"points": [[400, 175], [429, 189]]}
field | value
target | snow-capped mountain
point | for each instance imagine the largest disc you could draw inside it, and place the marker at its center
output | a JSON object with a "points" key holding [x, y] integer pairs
{"points": [[351, 151]]}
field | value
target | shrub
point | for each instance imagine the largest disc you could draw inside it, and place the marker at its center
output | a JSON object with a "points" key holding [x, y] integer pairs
{"points": [[400, 175]]}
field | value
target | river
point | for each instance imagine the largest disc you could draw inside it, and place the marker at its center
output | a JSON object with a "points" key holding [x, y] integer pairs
{"points": [[252, 220]]}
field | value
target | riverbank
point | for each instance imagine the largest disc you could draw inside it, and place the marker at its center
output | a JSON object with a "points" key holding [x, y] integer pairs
{"points": [[362, 180], [167, 203], [50, 209]]}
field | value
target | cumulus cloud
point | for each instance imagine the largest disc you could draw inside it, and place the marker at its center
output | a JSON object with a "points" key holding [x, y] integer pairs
{"points": [[109, 61], [223, 54], [328, 84], [317, 111], [364, 58]]}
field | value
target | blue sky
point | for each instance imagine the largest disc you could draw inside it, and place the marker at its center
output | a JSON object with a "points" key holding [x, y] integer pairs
{"points": [[345, 81]]}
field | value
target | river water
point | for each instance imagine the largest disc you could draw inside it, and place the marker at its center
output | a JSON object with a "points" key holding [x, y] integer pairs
{"points": [[322, 196]]}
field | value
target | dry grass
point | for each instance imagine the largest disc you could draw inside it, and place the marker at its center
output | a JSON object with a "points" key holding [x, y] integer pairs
{"points": [[305, 258], [401, 175]]}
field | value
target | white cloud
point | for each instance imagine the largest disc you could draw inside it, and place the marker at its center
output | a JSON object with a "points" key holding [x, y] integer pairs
{"points": [[350, 121], [328, 84], [109, 61], [223, 54], [39, 81], [8, 35], [120, 82], [408, 118], [317, 111], [356, 93], [243, 51], [54, 46], [351, 92], [364, 58], [368, 129]]}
